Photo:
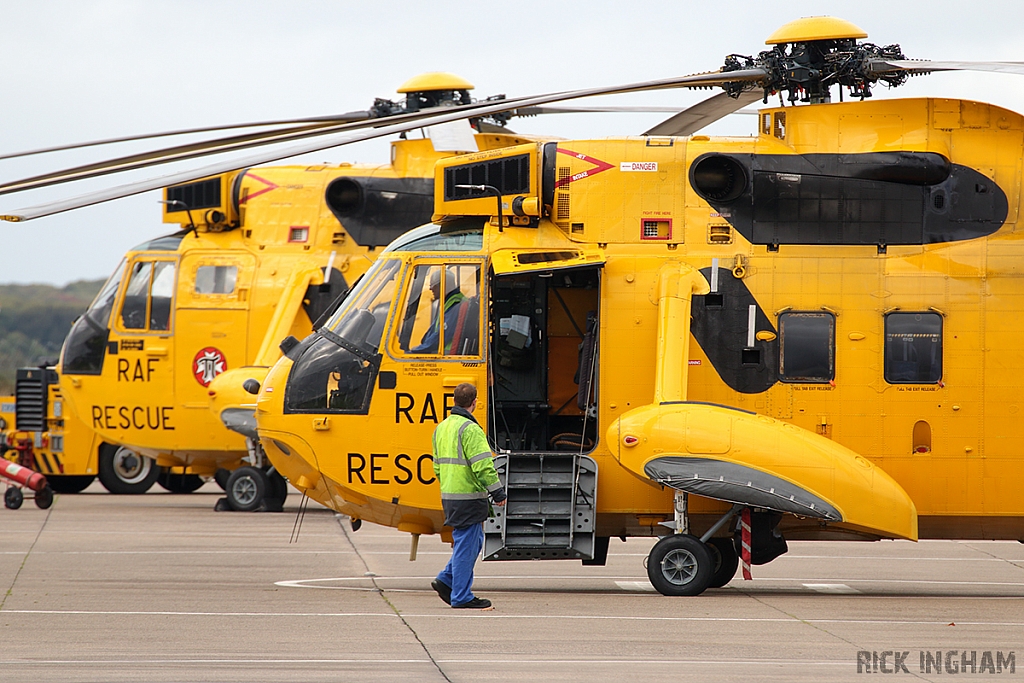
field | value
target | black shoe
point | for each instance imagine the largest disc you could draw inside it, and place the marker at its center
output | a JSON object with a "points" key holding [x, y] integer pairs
{"points": [[443, 590], [475, 603]]}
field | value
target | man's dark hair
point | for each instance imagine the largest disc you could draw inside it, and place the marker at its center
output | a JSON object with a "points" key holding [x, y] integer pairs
{"points": [[465, 394]]}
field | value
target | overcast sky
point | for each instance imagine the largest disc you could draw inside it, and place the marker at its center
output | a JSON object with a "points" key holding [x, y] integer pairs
{"points": [[79, 70]]}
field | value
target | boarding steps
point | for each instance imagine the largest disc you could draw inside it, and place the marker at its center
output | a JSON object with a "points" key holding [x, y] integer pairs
{"points": [[551, 508]]}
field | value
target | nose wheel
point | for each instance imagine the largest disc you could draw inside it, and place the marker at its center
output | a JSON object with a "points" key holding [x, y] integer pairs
{"points": [[251, 489]]}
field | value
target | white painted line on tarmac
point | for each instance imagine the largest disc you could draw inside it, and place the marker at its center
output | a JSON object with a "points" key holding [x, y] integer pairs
{"points": [[159, 613], [642, 586], [460, 614], [902, 581], [831, 588], [305, 583], [543, 662], [200, 552]]}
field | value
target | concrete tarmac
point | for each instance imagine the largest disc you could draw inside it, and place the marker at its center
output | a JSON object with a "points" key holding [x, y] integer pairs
{"points": [[160, 587]]}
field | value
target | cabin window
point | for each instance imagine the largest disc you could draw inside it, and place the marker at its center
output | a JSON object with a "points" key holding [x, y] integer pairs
{"points": [[216, 279], [913, 348], [436, 324], [148, 295], [807, 343]]}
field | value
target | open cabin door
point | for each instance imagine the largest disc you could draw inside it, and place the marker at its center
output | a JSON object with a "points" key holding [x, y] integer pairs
{"points": [[543, 361]]}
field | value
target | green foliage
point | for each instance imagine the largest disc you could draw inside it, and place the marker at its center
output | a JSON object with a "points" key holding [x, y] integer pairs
{"points": [[34, 319]]}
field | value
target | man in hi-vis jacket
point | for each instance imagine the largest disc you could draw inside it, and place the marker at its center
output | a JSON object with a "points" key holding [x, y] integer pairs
{"points": [[464, 467]]}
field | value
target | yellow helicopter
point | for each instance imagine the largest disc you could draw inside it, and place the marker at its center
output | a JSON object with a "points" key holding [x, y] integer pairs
{"points": [[848, 275], [151, 374]]}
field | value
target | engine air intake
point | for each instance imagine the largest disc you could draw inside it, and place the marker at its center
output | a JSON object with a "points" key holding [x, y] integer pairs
{"points": [[510, 175]]}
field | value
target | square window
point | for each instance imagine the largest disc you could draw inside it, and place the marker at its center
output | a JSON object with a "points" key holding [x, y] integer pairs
{"points": [[913, 348], [807, 343]]}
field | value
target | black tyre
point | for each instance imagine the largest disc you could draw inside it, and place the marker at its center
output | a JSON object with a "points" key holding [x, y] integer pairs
{"points": [[277, 491], [247, 488], [13, 498], [723, 555], [70, 483], [680, 565], [44, 498], [221, 476], [179, 483], [123, 471]]}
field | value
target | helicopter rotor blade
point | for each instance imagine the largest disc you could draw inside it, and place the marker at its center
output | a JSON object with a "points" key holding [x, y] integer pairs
{"points": [[206, 148], [164, 155], [920, 66], [704, 113], [220, 145], [340, 118], [538, 111], [380, 128]]}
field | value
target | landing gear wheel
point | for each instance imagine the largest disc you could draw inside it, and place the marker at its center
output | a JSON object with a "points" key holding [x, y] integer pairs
{"points": [[277, 492], [124, 471], [179, 483], [44, 498], [680, 565], [221, 476], [13, 498], [724, 559], [247, 488], [70, 483]]}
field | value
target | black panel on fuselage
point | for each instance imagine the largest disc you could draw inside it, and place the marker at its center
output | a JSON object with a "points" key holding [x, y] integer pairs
{"points": [[719, 324], [877, 198], [376, 211]]}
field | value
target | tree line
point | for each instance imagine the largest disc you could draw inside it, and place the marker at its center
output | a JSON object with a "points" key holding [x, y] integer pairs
{"points": [[34, 319]]}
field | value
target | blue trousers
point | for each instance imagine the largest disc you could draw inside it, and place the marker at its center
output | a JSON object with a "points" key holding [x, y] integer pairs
{"points": [[459, 572]]}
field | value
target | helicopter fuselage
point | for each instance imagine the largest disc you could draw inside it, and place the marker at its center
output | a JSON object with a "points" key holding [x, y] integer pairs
{"points": [[264, 253], [818, 320]]}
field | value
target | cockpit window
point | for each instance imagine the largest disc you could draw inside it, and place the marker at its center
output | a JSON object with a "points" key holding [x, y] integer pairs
{"points": [[460, 240], [161, 296], [86, 345], [146, 304], [136, 295], [336, 372], [446, 325], [103, 304], [361, 318]]}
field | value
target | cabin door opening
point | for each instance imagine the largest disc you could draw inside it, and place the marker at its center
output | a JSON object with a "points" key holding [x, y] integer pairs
{"points": [[543, 360]]}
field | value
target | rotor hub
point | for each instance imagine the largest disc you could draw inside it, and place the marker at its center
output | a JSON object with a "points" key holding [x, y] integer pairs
{"points": [[811, 55]]}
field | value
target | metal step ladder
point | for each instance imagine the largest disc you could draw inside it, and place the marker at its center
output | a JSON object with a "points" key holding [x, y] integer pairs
{"points": [[551, 508]]}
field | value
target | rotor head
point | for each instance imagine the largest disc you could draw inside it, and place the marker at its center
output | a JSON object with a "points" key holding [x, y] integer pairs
{"points": [[811, 55]]}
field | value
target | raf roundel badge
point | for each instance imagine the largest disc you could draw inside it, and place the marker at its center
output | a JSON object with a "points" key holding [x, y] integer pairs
{"points": [[207, 364]]}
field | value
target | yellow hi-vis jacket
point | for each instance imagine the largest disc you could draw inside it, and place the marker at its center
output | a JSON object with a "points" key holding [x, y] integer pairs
{"points": [[464, 467]]}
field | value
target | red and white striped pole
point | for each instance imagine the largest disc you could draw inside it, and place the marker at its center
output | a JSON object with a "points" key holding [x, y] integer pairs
{"points": [[745, 544]]}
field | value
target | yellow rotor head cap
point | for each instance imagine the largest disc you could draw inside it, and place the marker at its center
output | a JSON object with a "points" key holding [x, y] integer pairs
{"points": [[435, 80], [815, 28]]}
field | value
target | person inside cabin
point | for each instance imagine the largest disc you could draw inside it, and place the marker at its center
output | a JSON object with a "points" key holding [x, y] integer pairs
{"points": [[453, 297]]}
